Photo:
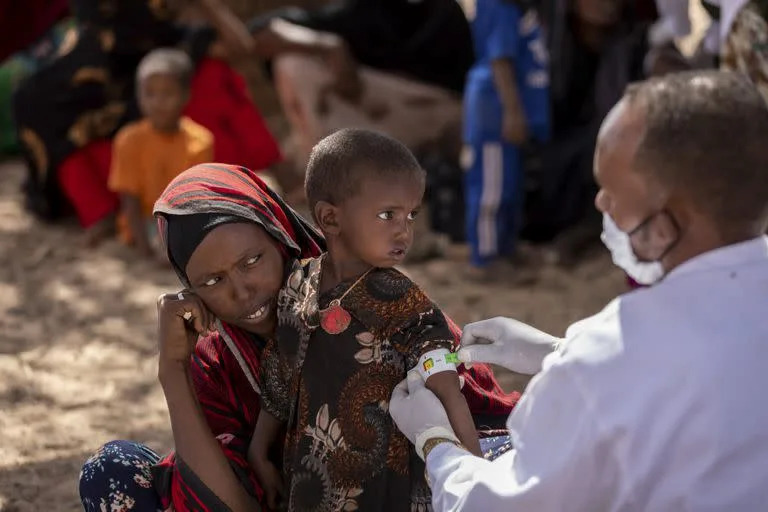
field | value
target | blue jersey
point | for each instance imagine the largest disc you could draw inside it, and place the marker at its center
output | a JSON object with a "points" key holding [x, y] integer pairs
{"points": [[500, 30]]}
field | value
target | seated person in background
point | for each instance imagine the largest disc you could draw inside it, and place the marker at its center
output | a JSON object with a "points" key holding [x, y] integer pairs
{"points": [[506, 104], [149, 153], [350, 327], [596, 47], [394, 66], [68, 111]]}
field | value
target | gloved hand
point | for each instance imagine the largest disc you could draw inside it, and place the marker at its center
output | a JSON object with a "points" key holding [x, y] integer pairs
{"points": [[418, 413], [506, 342]]}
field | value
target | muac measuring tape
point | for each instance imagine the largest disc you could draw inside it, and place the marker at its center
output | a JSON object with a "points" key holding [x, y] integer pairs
{"points": [[437, 361]]}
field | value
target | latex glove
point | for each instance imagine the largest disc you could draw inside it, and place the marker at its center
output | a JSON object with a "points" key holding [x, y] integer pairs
{"points": [[418, 413], [508, 343]]}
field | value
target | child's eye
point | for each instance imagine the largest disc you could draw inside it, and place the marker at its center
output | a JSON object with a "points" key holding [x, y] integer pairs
{"points": [[253, 260], [386, 215], [413, 214]]}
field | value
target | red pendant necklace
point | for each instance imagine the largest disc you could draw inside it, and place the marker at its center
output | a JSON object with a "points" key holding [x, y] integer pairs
{"points": [[335, 319]]}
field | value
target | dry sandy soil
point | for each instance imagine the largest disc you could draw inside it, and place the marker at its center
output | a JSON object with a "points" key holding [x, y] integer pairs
{"points": [[77, 342]]}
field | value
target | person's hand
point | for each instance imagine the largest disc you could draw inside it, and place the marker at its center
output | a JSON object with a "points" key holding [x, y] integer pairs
{"points": [[347, 83], [268, 42], [418, 413], [181, 318], [506, 342], [270, 479], [514, 127], [232, 33]]}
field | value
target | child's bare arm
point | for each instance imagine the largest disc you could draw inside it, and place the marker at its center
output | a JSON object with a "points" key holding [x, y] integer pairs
{"points": [[264, 436], [515, 128], [445, 385], [131, 206]]}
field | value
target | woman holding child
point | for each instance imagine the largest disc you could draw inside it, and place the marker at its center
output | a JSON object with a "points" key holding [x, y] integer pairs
{"points": [[232, 241]]}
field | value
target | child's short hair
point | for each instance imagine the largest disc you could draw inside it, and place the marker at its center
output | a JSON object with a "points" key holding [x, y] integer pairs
{"points": [[340, 162], [166, 61]]}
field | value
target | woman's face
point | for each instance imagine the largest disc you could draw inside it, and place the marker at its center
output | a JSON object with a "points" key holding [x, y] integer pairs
{"points": [[237, 271]]}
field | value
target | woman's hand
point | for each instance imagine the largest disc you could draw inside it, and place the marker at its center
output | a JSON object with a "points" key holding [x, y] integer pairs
{"points": [[181, 318]]}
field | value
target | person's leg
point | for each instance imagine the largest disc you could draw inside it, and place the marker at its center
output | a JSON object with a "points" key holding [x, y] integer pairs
{"points": [[118, 477], [512, 197], [473, 191], [490, 200]]}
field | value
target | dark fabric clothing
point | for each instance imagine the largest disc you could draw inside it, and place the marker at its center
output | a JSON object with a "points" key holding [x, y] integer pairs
{"points": [[428, 40], [185, 232], [21, 23], [228, 190], [118, 477], [342, 450], [585, 84], [88, 92]]}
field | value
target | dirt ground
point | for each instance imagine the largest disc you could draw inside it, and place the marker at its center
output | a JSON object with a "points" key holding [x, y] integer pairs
{"points": [[77, 342]]}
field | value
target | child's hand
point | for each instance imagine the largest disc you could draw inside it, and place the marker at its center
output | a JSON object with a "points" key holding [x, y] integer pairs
{"points": [[514, 127], [270, 479]]}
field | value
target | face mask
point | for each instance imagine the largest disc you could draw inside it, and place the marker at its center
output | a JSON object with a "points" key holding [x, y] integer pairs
{"points": [[618, 242]]}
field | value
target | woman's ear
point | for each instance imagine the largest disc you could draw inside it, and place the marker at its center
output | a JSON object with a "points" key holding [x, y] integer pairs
{"points": [[327, 218]]}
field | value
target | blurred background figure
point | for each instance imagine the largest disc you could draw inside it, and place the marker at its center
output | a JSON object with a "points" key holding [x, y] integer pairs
{"points": [[506, 107], [69, 109], [597, 47], [149, 153], [396, 66]]}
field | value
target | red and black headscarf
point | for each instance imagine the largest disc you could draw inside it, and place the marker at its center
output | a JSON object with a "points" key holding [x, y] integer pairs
{"points": [[208, 195]]}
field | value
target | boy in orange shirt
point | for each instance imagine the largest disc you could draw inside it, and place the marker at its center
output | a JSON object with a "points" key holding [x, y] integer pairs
{"points": [[149, 153]]}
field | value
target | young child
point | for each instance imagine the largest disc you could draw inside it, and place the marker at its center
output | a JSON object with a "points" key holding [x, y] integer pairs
{"points": [[350, 327], [149, 153], [506, 103]]}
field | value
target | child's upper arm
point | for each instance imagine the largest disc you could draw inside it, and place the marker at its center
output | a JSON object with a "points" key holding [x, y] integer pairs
{"points": [[503, 40], [428, 331], [125, 173]]}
